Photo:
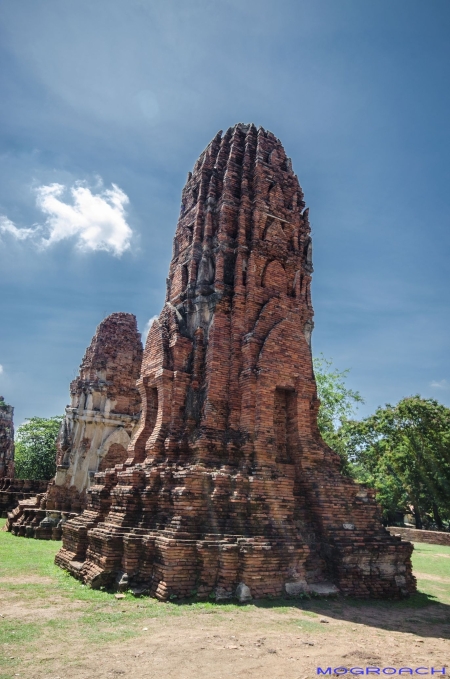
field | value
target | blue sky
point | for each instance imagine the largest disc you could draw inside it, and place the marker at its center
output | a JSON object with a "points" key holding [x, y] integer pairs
{"points": [[106, 105]]}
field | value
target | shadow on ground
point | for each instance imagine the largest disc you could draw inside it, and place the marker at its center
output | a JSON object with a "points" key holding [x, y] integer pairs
{"points": [[420, 614]]}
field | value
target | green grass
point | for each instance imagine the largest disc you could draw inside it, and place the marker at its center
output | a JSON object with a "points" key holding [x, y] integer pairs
{"points": [[433, 560]]}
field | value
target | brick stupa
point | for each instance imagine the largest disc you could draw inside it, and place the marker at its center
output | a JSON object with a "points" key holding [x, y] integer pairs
{"points": [[228, 489], [95, 432]]}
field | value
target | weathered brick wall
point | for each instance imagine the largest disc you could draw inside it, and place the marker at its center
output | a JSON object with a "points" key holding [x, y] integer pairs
{"points": [[97, 427], [432, 537], [228, 482]]}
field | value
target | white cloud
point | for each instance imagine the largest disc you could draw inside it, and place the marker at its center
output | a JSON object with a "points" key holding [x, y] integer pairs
{"points": [[97, 221], [443, 384], [1, 369], [7, 226], [148, 325]]}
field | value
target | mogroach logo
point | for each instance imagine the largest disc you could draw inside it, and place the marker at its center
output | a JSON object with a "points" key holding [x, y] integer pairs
{"points": [[381, 670]]}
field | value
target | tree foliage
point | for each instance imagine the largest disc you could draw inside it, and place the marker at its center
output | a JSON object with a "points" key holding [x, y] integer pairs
{"points": [[337, 406], [404, 452], [35, 448]]}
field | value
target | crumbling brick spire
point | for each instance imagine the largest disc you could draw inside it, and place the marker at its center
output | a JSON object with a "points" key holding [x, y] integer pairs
{"points": [[6, 440], [228, 488]]}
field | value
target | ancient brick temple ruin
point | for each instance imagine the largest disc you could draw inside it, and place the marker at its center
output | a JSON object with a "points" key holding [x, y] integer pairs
{"points": [[228, 489], [96, 429], [6, 440], [12, 490]]}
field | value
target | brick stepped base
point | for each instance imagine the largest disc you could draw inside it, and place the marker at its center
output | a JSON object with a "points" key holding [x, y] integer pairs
{"points": [[30, 520], [42, 515], [14, 490], [109, 545]]}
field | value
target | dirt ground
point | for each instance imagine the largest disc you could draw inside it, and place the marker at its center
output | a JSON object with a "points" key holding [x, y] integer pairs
{"points": [[217, 643], [55, 634]]}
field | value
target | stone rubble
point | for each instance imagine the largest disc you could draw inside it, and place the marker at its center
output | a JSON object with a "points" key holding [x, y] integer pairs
{"points": [[12, 490]]}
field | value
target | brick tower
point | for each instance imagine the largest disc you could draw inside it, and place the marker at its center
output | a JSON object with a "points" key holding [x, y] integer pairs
{"points": [[6, 440], [228, 489], [95, 432]]}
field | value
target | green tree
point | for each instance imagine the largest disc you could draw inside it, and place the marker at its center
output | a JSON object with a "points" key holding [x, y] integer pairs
{"points": [[337, 406], [404, 452], [35, 448]]}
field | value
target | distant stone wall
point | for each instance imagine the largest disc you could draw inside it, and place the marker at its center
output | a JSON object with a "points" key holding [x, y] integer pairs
{"points": [[432, 537]]}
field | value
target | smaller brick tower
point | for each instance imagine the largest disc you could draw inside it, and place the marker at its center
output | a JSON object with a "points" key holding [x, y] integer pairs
{"points": [[96, 430], [105, 406]]}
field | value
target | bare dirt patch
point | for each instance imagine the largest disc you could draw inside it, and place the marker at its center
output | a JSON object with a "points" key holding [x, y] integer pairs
{"points": [[427, 576], [52, 627], [245, 642], [27, 580]]}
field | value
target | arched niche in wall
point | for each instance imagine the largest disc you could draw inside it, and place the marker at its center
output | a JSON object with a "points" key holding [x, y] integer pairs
{"points": [[114, 449], [152, 406], [274, 277]]}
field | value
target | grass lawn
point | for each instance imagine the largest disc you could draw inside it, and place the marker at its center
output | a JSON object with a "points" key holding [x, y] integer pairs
{"points": [[41, 607]]}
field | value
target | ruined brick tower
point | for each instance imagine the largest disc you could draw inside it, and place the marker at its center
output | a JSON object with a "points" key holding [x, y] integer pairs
{"points": [[6, 440], [228, 489], [104, 409], [95, 432]]}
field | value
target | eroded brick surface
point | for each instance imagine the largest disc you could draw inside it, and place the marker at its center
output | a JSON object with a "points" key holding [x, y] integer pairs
{"points": [[228, 481], [96, 430], [6, 440]]}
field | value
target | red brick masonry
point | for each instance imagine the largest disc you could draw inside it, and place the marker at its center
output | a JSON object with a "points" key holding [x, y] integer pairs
{"points": [[12, 491], [228, 489]]}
